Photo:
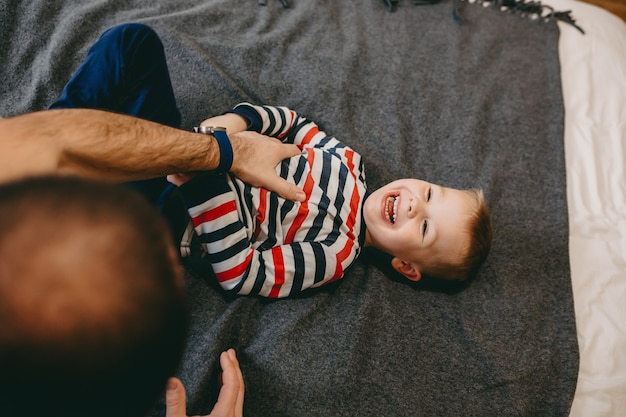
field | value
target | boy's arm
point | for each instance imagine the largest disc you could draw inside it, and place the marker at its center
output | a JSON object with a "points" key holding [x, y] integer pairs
{"points": [[286, 125], [233, 123]]}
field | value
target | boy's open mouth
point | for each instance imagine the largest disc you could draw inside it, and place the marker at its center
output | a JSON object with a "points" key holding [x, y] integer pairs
{"points": [[391, 208]]}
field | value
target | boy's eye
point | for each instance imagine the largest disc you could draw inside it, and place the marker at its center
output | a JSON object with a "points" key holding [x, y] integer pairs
{"points": [[424, 227], [428, 194]]}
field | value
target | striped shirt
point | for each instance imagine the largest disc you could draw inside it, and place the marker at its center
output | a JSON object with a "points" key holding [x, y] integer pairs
{"points": [[260, 243]]}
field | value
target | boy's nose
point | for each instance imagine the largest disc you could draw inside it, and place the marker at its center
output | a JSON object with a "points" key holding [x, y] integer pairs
{"points": [[414, 206]]}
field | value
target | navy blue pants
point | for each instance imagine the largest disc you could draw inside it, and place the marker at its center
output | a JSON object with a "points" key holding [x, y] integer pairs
{"points": [[125, 71]]}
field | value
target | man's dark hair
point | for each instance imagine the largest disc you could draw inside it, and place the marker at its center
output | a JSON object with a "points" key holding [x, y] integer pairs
{"points": [[93, 315]]}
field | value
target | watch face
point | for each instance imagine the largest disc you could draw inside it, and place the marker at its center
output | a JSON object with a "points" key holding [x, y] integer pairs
{"points": [[208, 130]]}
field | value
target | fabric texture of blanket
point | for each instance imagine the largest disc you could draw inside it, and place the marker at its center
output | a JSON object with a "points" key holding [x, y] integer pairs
{"points": [[476, 104]]}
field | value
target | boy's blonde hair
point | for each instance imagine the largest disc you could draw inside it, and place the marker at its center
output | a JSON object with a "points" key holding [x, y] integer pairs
{"points": [[479, 233]]}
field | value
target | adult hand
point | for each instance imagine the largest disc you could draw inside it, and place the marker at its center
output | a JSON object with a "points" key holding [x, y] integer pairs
{"points": [[230, 400], [255, 159]]}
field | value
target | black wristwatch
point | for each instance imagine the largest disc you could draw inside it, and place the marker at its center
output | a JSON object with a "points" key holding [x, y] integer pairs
{"points": [[226, 149]]}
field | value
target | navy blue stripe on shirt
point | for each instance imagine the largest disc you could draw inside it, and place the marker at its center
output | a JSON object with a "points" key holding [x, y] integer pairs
{"points": [[219, 234], [229, 252], [288, 205], [299, 125], [299, 268], [270, 216], [324, 201], [297, 175], [322, 143], [272, 121], [320, 261], [283, 117], [340, 195], [240, 192], [259, 279]]}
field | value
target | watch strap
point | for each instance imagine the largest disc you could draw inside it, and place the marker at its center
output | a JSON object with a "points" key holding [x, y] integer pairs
{"points": [[225, 147]]}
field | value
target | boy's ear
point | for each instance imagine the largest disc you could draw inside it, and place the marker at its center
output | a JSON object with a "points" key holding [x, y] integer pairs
{"points": [[409, 270]]}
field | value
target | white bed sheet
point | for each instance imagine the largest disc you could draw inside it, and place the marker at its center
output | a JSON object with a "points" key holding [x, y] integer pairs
{"points": [[593, 71]]}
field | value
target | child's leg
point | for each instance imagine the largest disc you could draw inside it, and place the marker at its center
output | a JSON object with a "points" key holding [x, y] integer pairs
{"points": [[125, 71]]}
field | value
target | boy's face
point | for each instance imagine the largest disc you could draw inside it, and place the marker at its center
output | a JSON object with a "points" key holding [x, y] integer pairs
{"points": [[416, 221]]}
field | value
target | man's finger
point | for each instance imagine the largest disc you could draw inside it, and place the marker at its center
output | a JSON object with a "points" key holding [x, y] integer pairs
{"points": [[288, 149], [286, 190], [240, 395], [175, 401], [277, 184], [256, 159], [230, 399]]}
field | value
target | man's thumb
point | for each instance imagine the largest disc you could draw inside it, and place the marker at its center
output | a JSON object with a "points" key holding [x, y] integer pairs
{"points": [[175, 401]]}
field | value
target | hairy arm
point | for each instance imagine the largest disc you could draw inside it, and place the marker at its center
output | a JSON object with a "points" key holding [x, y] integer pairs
{"points": [[98, 144], [110, 146]]}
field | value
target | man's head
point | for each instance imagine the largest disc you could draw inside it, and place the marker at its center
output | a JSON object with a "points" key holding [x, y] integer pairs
{"points": [[92, 301], [429, 229]]}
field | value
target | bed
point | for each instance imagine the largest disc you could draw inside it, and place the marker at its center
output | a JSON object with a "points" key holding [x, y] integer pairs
{"points": [[464, 93]]}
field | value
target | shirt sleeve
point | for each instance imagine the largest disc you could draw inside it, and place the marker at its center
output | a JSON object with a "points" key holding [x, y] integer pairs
{"points": [[287, 125]]}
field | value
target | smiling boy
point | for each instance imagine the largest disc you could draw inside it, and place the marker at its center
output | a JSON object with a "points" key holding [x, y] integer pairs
{"points": [[428, 229], [259, 243]]}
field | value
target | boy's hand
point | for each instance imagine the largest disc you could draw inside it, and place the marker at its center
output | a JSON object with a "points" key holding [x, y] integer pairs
{"points": [[255, 159], [233, 123], [179, 179], [230, 400]]}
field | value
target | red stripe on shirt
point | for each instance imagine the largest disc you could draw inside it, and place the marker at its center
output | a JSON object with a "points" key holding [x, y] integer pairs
{"points": [[279, 272], [341, 256], [215, 213], [349, 153], [261, 213], [303, 210], [235, 271], [288, 127], [309, 136]]}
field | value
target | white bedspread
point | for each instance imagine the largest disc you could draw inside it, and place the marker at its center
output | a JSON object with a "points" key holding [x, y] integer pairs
{"points": [[594, 87]]}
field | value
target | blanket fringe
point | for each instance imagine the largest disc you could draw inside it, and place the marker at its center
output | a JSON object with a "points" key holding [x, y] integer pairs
{"points": [[391, 4], [525, 8], [530, 9], [282, 2]]}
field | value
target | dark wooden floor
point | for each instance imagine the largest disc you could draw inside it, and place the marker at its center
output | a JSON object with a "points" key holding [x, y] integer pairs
{"points": [[617, 7]]}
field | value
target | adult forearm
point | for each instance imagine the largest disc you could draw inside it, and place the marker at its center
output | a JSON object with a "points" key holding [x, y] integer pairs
{"points": [[99, 144], [116, 147]]}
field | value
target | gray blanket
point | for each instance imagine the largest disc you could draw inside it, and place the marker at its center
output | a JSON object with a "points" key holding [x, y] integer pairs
{"points": [[418, 95]]}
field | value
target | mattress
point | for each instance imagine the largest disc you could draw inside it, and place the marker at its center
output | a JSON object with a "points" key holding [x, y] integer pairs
{"points": [[593, 71]]}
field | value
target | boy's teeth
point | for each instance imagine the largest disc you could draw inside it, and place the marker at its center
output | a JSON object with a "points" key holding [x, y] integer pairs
{"points": [[391, 209], [395, 209]]}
